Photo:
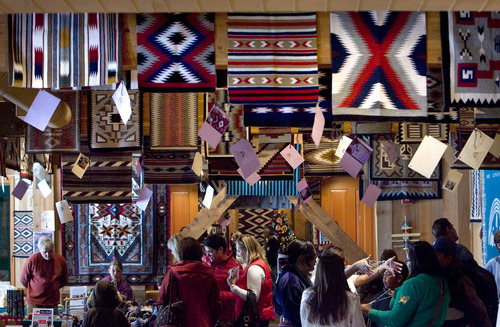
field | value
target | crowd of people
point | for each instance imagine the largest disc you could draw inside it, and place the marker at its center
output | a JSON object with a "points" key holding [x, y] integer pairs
{"points": [[236, 284]]}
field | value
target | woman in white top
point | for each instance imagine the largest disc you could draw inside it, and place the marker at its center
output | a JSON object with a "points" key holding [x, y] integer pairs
{"points": [[329, 302]]}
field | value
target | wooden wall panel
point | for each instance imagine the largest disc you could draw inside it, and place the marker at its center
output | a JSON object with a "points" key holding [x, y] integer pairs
{"points": [[184, 206]]}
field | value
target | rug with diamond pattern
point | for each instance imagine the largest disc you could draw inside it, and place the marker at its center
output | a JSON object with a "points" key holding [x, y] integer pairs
{"points": [[176, 52], [106, 128], [23, 234], [103, 232]]}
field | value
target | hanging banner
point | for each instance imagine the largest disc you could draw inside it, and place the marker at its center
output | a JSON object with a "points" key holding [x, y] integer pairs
{"points": [[490, 212]]}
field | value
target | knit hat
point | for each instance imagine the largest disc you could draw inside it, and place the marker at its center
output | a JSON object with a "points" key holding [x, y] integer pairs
{"points": [[446, 246]]}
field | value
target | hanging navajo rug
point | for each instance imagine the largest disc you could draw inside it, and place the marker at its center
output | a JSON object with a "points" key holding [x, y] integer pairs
{"points": [[272, 58], [378, 65], [63, 50], [471, 58], [176, 52]]}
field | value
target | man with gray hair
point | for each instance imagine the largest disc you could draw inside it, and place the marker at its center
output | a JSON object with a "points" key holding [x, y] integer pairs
{"points": [[43, 274]]}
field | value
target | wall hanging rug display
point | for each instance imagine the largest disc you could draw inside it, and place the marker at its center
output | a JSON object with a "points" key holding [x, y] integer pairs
{"points": [[471, 58], [272, 58], [296, 115], [167, 110], [379, 65], [108, 179], [382, 168], [168, 166], [436, 109], [106, 128], [235, 130], [414, 190], [251, 221], [415, 132], [321, 161], [101, 233], [63, 50], [23, 234], [64, 139], [466, 126], [176, 52]]}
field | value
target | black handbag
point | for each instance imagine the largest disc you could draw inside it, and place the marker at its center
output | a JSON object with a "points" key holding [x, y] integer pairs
{"points": [[172, 314], [249, 316]]}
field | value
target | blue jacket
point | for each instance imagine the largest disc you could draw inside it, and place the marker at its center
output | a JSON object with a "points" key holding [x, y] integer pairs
{"points": [[288, 294]]}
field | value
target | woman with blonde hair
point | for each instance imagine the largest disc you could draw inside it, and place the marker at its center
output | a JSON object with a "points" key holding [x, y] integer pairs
{"points": [[256, 277], [173, 246]]}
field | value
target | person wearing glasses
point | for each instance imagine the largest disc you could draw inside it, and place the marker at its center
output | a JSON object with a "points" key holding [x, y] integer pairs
{"points": [[329, 302], [423, 299], [255, 277], [293, 280], [221, 260]]}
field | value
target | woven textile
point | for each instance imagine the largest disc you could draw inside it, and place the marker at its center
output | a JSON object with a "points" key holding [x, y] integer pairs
{"points": [[106, 128], [274, 165], [471, 58], [475, 208], [415, 132], [321, 161], [252, 221], [235, 130], [107, 180], [382, 168], [65, 139], [176, 52], [174, 119], [297, 115], [414, 190], [272, 58], [23, 234], [378, 65], [63, 50], [436, 109], [103, 232], [168, 166]]}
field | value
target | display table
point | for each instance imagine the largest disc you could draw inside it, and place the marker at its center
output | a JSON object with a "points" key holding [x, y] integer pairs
{"points": [[27, 323], [11, 320]]}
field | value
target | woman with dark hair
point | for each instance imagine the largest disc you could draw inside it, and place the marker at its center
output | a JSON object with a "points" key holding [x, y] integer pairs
{"points": [[197, 286], [104, 311], [256, 277], [293, 281], [423, 299], [329, 302]]}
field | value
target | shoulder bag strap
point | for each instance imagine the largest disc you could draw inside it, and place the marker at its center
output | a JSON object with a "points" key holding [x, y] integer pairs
{"points": [[252, 302], [439, 304]]}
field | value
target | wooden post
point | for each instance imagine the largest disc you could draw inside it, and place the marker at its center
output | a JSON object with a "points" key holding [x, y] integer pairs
{"points": [[330, 228], [206, 217]]}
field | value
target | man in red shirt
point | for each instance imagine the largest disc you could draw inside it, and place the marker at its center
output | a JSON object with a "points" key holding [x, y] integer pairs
{"points": [[221, 260], [43, 274]]}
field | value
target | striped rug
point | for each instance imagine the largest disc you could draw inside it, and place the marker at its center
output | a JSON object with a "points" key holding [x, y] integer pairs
{"points": [[272, 58], [167, 108], [63, 50], [107, 180]]}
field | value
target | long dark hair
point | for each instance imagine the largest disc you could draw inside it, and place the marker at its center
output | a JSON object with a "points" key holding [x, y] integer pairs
{"points": [[423, 260], [328, 302]]}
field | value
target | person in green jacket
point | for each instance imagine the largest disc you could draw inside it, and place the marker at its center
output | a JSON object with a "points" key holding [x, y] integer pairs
{"points": [[423, 299]]}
